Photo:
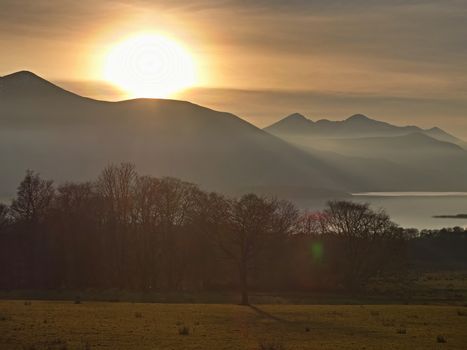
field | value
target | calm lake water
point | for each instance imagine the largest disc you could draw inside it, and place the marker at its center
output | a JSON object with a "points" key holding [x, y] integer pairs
{"points": [[415, 209]]}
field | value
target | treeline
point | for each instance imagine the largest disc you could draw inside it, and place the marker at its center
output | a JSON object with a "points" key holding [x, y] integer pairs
{"points": [[131, 232], [443, 249]]}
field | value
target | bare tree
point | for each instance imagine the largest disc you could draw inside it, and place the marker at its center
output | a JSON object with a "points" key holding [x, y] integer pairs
{"points": [[147, 215], [177, 205], [367, 237], [251, 219], [74, 228], [4, 216], [116, 186], [34, 196], [311, 223]]}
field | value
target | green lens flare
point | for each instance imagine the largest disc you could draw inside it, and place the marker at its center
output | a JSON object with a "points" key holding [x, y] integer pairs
{"points": [[317, 251]]}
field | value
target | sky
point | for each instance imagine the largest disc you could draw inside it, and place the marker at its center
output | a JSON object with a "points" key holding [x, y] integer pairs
{"points": [[404, 62]]}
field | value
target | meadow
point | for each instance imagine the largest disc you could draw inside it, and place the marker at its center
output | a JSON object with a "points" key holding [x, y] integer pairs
{"points": [[67, 325]]}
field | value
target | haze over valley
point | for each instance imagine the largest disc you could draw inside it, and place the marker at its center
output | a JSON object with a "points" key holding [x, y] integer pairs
{"points": [[60, 134]]}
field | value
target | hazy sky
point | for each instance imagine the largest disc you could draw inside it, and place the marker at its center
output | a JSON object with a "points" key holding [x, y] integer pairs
{"points": [[400, 61]]}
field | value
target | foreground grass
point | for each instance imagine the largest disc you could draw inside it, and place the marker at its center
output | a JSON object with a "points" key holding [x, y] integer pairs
{"points": [[50, 325]]}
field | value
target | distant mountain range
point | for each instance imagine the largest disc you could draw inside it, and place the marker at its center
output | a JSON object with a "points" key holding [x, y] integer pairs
{"points": [[65, 136], [357, 125], [384, 155]]}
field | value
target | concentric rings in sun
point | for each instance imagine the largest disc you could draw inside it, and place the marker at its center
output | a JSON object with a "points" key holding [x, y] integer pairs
{"points": [[149, 65]]}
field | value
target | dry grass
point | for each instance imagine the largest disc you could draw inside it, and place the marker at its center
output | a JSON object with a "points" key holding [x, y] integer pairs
{"points": [[44, 325]]}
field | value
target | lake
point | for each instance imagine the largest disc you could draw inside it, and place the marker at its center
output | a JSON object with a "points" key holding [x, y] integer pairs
{"points": [[414, 209]]}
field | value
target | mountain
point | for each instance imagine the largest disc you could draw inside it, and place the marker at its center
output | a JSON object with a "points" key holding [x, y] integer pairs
{"points": [[442, 135], [68, 137], [383, 155], [357, 125]]}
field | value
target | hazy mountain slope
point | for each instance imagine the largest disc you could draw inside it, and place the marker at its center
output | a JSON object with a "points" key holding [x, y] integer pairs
{"points": [[410, 161], [68, 137], [398, 148], [383, 174]]}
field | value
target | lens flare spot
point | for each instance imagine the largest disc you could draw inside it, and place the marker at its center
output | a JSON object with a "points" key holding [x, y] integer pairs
{"points": [[317, 251]]}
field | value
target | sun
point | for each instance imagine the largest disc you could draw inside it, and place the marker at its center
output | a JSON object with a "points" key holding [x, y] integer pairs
{"points": [[150, 66]]}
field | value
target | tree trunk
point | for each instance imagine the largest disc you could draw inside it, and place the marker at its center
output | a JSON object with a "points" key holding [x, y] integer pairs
{"points": [[245, 300], [244, 285]]}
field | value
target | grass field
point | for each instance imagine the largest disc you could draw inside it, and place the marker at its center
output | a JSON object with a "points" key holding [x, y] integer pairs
{"points": [[99, 325]]}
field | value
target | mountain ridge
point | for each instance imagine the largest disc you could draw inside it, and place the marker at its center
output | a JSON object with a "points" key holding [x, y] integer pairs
{"points": [[381, 153], [345, 128]]}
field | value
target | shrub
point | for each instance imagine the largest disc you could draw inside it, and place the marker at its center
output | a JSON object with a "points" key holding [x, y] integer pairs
{"points": [[461, 313], [271, 346], [440, 339], [401, 330], [183, 330]]}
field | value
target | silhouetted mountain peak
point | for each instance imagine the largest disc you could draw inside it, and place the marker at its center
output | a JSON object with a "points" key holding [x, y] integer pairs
{"points": [[435, 131], [296, 116], [28, 84], [22, 73], [293, 123], [442, 135], [22, 77], [359, 118]]}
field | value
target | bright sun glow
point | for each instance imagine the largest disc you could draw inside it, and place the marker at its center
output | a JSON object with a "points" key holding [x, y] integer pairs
{"points": [[150, 65]]}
